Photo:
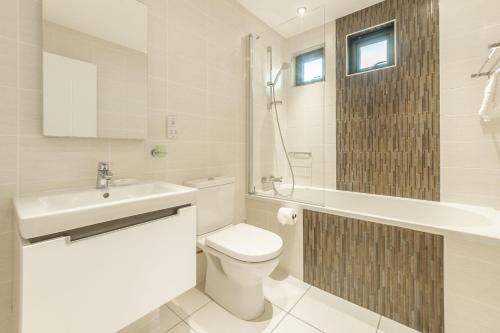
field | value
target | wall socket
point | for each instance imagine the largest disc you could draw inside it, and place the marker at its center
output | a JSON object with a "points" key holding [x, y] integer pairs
{"points": [[172, 127]]}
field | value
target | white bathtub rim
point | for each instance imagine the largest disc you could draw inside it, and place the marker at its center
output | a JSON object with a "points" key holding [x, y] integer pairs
{"points": [[491, 231]]}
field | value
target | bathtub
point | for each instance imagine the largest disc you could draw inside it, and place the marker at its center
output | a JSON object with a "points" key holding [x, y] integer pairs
{"points": [[471, 239], [428, 216]]}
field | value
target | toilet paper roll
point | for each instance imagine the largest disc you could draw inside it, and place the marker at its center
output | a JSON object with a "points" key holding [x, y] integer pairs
{"points": [[287, 216]]}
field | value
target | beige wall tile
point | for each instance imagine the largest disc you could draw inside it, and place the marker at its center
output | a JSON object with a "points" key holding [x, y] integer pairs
{"points": [[8, 62], [8, 111], [30, 62], [182, 14], [464, 315], [30, 20], [5, 301], [8, 19], [186, 44], [471, 284], [7, 325], [211, 119], [157, 31], [30, 112], [6, 247], [264, 215], [473, 278], [7, 191], [187, 72], [469, 148], [8, 151], [186, 99], [59, 159]]}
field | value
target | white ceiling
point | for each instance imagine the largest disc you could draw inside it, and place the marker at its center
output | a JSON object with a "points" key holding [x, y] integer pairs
{"points": [[276, 12], [117, 21]]}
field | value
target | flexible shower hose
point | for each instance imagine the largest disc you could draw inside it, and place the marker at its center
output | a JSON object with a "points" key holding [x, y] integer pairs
{"points": [[273, 100]]}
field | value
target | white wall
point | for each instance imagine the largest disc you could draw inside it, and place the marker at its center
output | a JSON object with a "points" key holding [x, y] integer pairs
{"points": [[195, 72], [268, 157], [308, 120], [311, 110], [472, 286], [263, 215], [470, 162], [470, 149], [307, 115], [470, 169], [122, 73]]}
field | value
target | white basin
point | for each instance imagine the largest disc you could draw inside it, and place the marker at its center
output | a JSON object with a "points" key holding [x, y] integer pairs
{"points": [[47, 213]]}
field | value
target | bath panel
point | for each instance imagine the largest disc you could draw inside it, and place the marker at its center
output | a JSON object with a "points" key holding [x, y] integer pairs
{"points": [[390, 270]]}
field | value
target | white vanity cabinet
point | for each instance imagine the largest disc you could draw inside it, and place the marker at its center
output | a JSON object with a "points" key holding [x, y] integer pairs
{"points": [[104, 282]]}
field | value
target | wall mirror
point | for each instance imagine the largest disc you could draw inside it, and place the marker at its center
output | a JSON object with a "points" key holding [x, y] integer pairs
{"points": [[95, 68]]}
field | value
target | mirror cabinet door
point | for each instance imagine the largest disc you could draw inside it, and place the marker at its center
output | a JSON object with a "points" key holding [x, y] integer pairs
{"points": [[95, 68]]}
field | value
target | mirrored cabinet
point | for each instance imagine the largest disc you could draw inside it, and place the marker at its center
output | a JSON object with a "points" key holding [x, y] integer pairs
{"points": [[95, 69]]}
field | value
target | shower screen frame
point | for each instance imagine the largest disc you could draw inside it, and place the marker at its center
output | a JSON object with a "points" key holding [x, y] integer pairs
{"points": [[254, 64]]}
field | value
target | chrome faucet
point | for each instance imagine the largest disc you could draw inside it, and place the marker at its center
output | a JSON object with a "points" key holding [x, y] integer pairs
{"points": [[104, 175], [276, 179], [269, 182]]}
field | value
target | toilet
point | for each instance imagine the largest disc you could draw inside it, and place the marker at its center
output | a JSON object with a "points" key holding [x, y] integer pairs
{"points": [[239, 256]]}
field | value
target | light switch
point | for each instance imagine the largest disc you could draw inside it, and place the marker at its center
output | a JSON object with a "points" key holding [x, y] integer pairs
{"points": [[172, 127]]}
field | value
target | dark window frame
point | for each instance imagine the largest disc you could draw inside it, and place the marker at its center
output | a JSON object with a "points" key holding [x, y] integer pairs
{"points": [[386, 31], [302, 58]]}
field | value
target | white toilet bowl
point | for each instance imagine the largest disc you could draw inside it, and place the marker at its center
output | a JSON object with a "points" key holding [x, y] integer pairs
{"points": [[239, 257]]}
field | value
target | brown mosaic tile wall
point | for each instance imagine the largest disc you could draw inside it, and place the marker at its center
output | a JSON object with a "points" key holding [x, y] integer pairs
{"points": [[395, 272], [388, 120]]}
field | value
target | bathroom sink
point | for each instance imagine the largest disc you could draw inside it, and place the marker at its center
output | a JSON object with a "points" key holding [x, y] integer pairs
{"points": [[47, 213]]}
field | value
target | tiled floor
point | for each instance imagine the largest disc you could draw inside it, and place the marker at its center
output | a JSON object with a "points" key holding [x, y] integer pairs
{"points": [[292, 307]]}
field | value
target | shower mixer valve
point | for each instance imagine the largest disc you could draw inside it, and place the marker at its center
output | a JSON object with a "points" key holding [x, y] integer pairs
{"points": [[271, 179], [268, 183]]}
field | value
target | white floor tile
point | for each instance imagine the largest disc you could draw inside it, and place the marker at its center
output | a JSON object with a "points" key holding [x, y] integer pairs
{"points": [[333, 314], [168, 319], [292, 325], [189, 302], [158, 321], [182, 328], [214, 319], [390, 326], [284, 290]]}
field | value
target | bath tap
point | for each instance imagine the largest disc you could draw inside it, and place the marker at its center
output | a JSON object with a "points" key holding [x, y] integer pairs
{"points": [[276, 179], [271, 180], [104, 175]]}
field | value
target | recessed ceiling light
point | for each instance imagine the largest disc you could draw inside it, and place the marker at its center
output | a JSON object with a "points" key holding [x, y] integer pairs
{"points": [[301, 10]]}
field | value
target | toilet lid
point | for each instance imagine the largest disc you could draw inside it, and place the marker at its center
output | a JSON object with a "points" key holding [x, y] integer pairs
{"points": [[246, 243]]}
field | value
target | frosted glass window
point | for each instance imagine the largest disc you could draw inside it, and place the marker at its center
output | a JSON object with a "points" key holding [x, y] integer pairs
{"points": [[313, 70], [371, 49], [373, 54], [310, 67]]}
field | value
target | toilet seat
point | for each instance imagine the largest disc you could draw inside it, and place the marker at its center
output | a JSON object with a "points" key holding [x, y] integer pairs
{"points": [[246, 243]]}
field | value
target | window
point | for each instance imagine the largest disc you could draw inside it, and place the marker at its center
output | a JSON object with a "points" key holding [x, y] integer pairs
{"points": [[371, 49], [310, 67]]}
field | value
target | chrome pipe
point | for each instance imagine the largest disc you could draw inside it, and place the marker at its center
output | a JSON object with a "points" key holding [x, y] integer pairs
{"points": [[249, 116]]}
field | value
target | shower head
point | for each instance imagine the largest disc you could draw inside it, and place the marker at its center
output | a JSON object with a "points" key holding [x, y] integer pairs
{"points": [[284, 67]]}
